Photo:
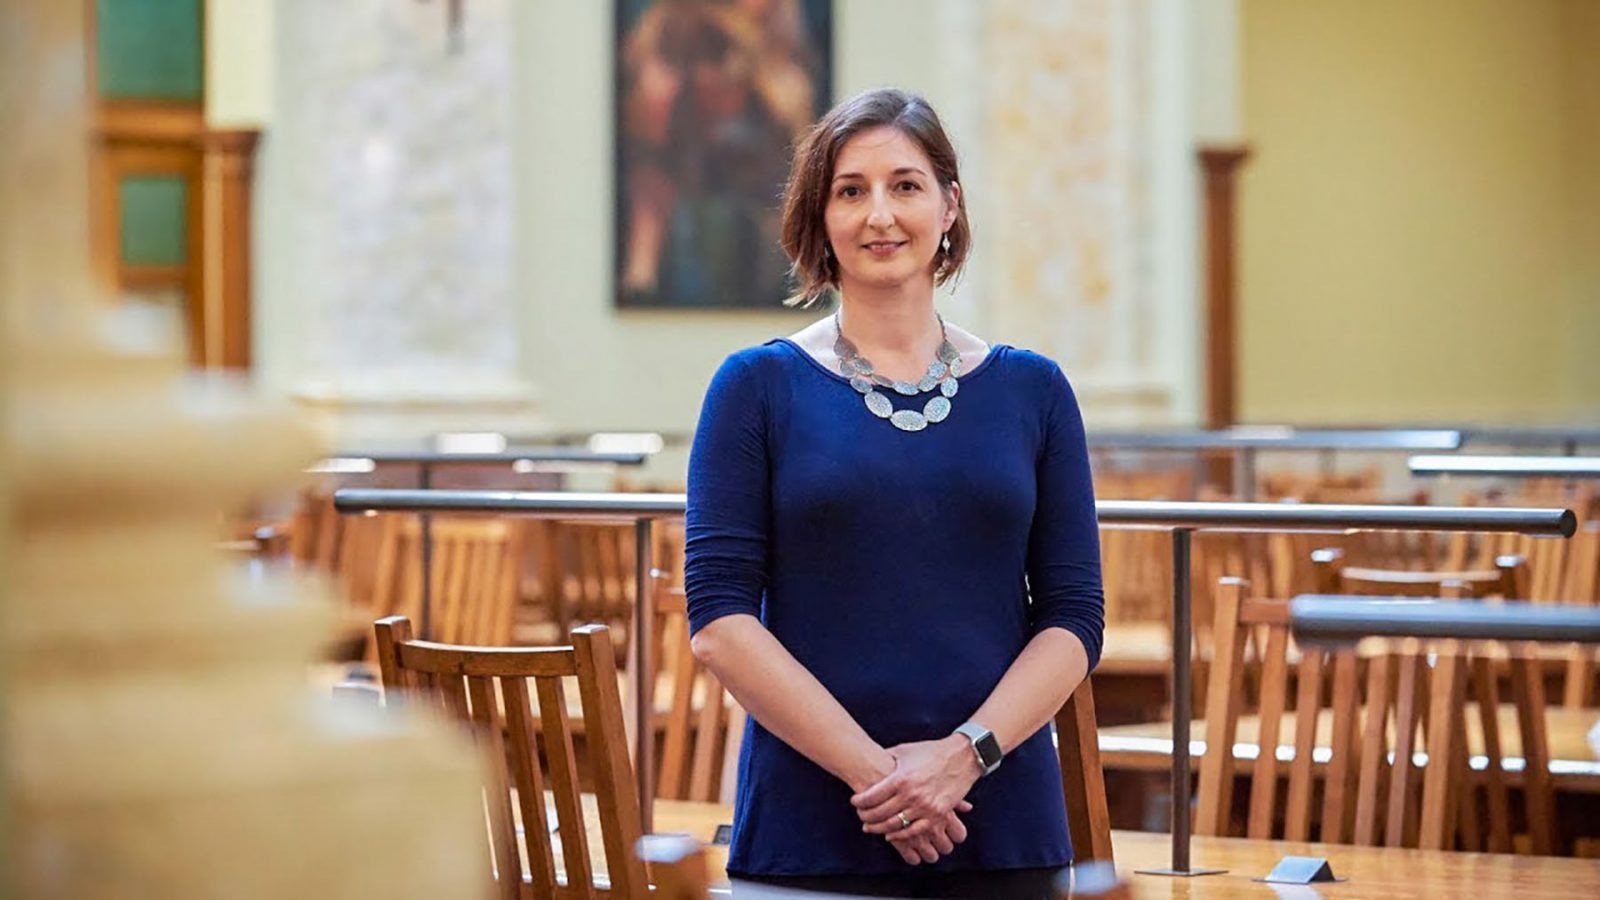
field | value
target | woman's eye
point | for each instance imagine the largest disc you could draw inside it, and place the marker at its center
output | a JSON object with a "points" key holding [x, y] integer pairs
{"points": [[849, 190], [910, 186]]}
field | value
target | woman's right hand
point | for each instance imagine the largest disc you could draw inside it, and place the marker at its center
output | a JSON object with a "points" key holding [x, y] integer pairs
{"points": [[939, 840], [926, 846]]}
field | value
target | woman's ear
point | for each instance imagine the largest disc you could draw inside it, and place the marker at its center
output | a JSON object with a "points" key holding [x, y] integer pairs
{"points": [[952, 204]]}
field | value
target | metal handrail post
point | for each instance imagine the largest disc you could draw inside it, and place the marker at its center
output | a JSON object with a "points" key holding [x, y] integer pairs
{"points": [[425, 551], [644, 685], [1182, 708]]}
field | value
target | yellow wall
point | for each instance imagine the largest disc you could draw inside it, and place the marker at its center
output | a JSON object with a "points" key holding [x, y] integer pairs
{"points": [[1408, 223], [1582, 59], [238, 62]]}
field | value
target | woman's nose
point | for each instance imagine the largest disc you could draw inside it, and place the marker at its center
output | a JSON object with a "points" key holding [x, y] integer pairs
{"points": [[879, 215]]}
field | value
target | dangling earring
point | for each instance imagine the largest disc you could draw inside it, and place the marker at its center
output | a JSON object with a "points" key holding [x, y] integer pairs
{"points": [[944, 245]]}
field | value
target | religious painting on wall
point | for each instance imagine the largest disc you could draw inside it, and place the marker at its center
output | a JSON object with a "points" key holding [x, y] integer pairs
{"points": [[711, 96]]}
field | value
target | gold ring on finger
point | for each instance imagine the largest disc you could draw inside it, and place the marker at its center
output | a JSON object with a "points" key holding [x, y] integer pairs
{"points": [[904, 822]]}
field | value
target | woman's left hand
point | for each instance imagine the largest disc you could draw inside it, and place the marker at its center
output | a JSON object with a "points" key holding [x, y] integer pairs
{"points": [[929, 779]]}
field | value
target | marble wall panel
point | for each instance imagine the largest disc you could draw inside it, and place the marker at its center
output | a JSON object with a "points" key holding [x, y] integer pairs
{"points": [[395, 197]]}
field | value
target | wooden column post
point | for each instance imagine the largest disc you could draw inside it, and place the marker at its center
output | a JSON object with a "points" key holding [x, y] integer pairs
{"points": [[229, 174], [1219, 165]]}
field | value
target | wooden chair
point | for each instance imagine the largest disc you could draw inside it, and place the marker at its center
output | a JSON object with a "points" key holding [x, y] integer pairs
{"points": [[1364, 486], [1522, 667], [1111, 482], [704, 726], [488, 688], [1370, 779], [594, 574], [1502, 580], [1136, 571], [1082, 779], [1582, 586], [473, 573]]}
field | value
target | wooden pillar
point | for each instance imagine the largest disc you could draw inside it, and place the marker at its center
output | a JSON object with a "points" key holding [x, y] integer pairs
{"points": [[1219, 165], [229, 174]]}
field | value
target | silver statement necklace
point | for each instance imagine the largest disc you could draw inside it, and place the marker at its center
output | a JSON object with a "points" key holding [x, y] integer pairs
{"points": [[942, 373]]}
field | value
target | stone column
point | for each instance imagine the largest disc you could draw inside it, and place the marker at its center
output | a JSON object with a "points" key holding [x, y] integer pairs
{"points": [[161, 739]]}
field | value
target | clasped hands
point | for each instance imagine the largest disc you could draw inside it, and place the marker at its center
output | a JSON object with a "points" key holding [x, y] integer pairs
{"points": [[915, 805]]}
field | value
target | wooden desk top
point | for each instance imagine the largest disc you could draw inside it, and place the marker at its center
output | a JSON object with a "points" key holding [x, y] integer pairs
{"points": [[1372, 871], [1574, 766]]}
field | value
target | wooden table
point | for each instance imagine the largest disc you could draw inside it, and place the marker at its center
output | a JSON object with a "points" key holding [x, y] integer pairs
{"points": [[1372, 871], [1574, 767]]}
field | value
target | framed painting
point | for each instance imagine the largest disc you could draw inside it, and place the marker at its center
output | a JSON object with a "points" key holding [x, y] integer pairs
{"points": [[710, 97]]}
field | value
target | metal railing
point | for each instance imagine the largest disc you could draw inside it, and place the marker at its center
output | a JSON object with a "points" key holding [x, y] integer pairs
{"points": [[1575, 467], [1182, 519], [528, 459], [1332, 619], [1245, 441], [1566, 438]]}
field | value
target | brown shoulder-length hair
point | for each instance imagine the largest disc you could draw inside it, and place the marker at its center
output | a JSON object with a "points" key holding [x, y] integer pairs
{"points": [[805, 197]]}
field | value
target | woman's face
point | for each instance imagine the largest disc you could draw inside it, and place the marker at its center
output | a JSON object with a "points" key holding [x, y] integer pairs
{"points": [[886, 214]]}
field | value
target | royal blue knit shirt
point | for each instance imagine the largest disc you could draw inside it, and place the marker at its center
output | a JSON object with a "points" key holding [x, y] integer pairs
{"points": [[906, 571]]}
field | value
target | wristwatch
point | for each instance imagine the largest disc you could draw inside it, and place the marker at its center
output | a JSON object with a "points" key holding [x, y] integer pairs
{"points": [[984, 744]]}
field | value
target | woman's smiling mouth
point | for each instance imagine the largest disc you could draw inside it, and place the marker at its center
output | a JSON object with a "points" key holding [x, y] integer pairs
{"points": [[884, 248]]}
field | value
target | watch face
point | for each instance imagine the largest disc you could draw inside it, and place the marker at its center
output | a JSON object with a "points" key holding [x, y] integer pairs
{"points": [[988, 751]]}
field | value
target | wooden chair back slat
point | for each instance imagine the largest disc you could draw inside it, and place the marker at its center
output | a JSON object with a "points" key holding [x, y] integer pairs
{"points": [[1445, 697], [1527, 690], [1274, 694], [615, 792], [1308, 690], [562, 760], [1223, 708], [1485, 684], [1339, 788], [680, 722], [455, 696], [529, 782], [1082, 779], [1400, 830], [708, 745], [1374, 774], [502, 824], [734, 738]]}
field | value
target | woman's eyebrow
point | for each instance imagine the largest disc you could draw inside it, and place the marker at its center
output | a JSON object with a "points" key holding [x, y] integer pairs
{"points": [[903, 170]]}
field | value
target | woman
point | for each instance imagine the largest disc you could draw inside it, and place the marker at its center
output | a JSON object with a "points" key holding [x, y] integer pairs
{"points": [[892, 558]]}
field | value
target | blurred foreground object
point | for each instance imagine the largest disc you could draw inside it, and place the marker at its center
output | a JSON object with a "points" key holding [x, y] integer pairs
{"points": [[160, 739]]}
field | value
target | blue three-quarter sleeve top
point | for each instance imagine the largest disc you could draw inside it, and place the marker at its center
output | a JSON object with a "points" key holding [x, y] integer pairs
{"points": [[906, 571]]}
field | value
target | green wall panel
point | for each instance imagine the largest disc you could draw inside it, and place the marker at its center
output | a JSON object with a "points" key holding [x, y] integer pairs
{"points": [[149, 49], [154, 229]]}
